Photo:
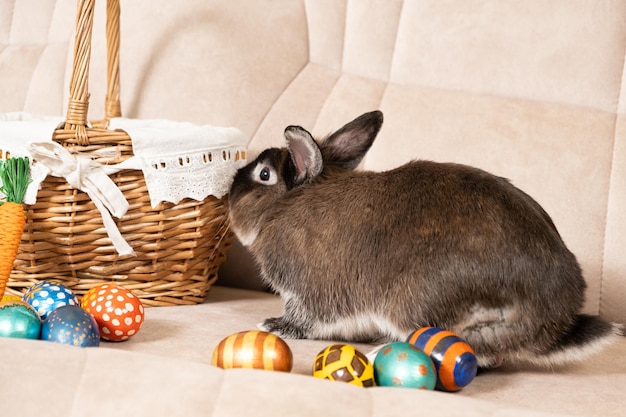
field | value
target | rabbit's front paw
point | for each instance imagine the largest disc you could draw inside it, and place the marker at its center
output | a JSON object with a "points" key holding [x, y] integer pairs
{"points": [[282, 328]]}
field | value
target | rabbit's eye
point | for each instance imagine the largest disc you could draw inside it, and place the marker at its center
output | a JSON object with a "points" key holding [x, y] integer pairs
{"points": [[265, 174]]}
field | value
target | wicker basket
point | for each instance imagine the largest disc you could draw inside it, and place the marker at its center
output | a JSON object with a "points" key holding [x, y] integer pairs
{"points": [[178, 247]]}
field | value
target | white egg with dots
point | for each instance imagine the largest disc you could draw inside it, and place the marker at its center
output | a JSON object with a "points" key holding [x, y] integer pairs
{"points": [[118, 312]]}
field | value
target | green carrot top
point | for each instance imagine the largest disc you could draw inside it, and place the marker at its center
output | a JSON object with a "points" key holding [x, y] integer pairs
{"points": [[15, 176]]}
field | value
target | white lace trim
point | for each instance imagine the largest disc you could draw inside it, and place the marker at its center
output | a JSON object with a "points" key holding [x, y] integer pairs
{"points": [[183, 160], [179, 160], [192, 175]]}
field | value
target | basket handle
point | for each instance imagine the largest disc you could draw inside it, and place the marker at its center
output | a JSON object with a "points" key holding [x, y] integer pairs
{"points": [[78, 106]]}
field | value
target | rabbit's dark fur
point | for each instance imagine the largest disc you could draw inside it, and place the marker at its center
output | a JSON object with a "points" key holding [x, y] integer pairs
{"points": [[367, 256]]}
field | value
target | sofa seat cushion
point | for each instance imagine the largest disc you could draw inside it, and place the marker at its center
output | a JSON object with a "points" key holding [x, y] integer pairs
{"points": [[165, 370]]}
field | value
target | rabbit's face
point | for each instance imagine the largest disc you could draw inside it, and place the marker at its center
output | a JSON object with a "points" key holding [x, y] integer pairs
{"points": [[256, 187]]}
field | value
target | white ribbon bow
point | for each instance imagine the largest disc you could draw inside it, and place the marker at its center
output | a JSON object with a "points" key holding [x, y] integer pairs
{"points": [[90, 177]]}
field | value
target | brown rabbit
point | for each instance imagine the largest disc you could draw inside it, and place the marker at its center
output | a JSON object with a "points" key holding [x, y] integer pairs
{"points": [[373, 256]]}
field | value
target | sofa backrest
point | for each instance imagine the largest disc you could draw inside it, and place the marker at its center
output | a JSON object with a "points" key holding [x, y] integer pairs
{"points": [[532, 91]]}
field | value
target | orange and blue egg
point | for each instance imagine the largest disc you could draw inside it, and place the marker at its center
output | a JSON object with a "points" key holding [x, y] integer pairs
{"points": [[454, 359]]}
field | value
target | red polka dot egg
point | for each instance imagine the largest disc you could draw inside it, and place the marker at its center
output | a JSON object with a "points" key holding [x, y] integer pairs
{"points": [[118, 312]]}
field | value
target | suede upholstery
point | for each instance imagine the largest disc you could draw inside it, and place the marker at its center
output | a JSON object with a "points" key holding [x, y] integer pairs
{"points": [[533, 91]]}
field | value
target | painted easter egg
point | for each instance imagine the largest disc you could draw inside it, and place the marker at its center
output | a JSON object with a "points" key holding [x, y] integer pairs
{"points": [[454, 359], [71, 325], [10, 297], [18, 319], [341, 362], [118, 312], [45, 296], [253, 349], [400, 364]]}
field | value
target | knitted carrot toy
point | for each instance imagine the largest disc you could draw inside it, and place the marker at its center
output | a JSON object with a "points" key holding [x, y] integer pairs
{"points": [[14, 173]]}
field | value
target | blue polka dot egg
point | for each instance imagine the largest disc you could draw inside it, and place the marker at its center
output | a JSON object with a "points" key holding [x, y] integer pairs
{"points": [[46, 296]]}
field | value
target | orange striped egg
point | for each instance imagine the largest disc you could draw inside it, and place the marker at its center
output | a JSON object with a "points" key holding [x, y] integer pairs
{"points": [[455, 361], [253, 349]]}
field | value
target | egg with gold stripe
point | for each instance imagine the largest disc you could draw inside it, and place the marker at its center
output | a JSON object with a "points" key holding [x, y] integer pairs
{"points": [[253, 349], [342, 362], [18, 319], [454, 359]]}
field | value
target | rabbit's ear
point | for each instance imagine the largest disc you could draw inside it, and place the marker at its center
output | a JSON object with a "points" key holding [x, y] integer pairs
{"points": [[305, 154], [347, 146]]}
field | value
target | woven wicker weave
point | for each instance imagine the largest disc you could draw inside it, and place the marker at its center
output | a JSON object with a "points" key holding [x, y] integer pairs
{"points": [[178, 247]]}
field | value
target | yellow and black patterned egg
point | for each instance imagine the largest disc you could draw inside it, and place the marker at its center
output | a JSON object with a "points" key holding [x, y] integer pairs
{"points": [[341, 362]]}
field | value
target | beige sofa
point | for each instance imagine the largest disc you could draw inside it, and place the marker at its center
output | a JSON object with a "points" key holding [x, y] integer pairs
{"points": [[534, 91]]}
